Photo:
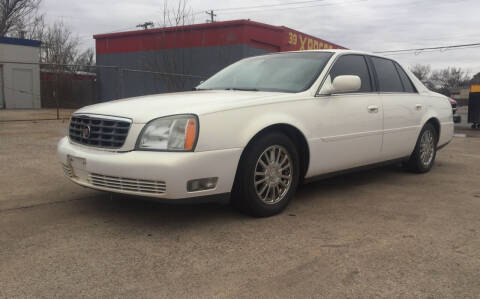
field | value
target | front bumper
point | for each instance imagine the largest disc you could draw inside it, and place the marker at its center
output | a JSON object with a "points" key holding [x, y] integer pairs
{"points": [[148, 173]]}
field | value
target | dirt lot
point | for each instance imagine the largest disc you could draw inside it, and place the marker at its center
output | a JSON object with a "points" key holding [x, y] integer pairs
{"points": [[382, 232]]}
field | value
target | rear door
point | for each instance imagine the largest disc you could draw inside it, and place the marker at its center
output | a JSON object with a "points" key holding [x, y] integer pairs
{"points": [[402, 108], [350, 124]]}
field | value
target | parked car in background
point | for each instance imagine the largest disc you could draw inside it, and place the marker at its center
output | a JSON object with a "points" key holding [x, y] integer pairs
{"points": [[258, 128], [456, 118]]}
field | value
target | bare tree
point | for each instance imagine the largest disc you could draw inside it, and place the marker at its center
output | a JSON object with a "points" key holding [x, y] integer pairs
{"points": [[60, 46], [444, 80], [178, 15], [86, 59], [59, 49], [475, 79], [178, 60], [15, 15], [422, 72], [35, 28], [449, 79]]}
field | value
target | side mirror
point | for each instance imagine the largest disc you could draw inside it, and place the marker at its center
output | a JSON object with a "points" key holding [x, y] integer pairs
{"points": [[345, 83]]}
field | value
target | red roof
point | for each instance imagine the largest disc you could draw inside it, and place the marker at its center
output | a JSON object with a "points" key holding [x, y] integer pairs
{"points": [[272, 38]]}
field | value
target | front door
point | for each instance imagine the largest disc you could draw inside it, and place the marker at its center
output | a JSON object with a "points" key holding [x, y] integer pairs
{"points": [[349, 125]]}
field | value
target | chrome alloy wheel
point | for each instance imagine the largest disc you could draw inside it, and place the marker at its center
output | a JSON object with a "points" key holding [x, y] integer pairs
{"points": [[273, 174], [427, 147]]}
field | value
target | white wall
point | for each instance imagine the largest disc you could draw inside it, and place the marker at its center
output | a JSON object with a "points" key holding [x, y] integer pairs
{"points": [[15, 94]]}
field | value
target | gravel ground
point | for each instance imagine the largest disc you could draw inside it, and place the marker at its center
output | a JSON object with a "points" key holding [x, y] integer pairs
{"points": [[377, 233]]}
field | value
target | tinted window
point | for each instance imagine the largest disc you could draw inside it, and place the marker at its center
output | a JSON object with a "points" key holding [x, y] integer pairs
{"points": [[407, 84], [388, 79], [352, 65]]}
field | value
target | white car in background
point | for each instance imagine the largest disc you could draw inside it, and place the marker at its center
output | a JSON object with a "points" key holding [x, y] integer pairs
{"points": [[255, 130]]}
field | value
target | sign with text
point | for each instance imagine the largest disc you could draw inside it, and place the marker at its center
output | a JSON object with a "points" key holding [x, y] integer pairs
{"points": [[299, 41]]}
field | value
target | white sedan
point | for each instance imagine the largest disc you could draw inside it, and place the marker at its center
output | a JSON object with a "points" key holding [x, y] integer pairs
{"points": [[256, 129]]}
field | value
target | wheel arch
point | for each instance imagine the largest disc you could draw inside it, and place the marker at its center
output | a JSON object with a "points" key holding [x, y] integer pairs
{"points": [[294, 133], [435, 123]]}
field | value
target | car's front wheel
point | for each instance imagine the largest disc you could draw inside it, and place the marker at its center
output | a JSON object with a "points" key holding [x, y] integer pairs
{"points": [[423, 156], [268, 175]]}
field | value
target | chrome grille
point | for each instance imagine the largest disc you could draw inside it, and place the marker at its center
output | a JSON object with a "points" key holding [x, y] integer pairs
{"points": [[98, 131], [119, 183]]}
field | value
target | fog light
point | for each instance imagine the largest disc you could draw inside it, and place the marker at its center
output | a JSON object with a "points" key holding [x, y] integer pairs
{"points": [[202, 184]]}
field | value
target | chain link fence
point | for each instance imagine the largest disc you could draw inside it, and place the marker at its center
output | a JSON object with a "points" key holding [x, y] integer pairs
{"points": [[40, 91]]}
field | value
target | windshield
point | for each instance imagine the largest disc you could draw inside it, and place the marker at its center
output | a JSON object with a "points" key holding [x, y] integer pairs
{"points": [[286, 72]]}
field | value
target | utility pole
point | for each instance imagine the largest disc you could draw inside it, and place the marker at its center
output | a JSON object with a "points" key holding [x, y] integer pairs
{"points": [[145, 25], [212, 15]]}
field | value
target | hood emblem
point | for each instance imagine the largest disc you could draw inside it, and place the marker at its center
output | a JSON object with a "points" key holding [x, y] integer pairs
{"points": [[86, 132]]}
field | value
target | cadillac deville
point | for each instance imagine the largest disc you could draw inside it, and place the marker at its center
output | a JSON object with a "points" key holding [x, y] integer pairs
{"points": [[254, 131]]}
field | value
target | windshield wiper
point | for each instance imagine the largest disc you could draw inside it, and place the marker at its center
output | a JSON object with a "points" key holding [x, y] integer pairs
{"points": [[243, 89]]}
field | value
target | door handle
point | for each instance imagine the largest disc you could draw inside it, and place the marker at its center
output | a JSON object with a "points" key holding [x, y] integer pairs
{"points": [[372, 109], [418, 106]]}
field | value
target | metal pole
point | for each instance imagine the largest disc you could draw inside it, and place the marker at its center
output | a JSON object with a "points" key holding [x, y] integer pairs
{"points": [[55, 94]]}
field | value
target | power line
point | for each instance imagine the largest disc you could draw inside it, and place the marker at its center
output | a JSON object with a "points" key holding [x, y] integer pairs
{"points": [[267, 5], [292, 8], [280, 6], [430, 48], [233, 10], [259, 6]]}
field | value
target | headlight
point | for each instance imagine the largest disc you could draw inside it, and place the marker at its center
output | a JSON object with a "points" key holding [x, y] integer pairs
{"points": [[171, 133]]}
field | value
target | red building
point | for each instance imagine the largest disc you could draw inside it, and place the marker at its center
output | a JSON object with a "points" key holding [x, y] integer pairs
{"points": [[199, 50]]}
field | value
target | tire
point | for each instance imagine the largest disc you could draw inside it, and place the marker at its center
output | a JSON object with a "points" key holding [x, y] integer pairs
{"points": [[426, 143], [277, 180]]}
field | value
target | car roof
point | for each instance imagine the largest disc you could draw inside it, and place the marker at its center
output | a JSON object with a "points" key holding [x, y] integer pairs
{"points": [[420, 86], [340, 51]]}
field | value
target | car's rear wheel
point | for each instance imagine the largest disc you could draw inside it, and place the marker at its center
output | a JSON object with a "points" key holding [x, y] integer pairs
{"points": [[423, 156], [267, 176]]}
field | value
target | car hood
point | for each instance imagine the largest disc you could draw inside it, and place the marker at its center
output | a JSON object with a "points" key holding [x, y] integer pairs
{"points": [[145, 108]]}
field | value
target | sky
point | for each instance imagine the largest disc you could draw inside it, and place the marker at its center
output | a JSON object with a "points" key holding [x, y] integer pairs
{"points": [[368, 25]]}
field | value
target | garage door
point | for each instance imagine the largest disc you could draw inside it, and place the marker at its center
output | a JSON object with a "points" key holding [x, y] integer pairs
{"points": [[22, 88]]}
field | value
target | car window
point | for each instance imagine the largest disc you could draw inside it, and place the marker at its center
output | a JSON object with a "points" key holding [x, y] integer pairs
{"points": [[283, 72], [407, 84], [388, 78], [352, 65]]}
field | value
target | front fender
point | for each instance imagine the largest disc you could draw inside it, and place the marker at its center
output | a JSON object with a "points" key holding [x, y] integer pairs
{"points": [[257, 124], [235, 128]]}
